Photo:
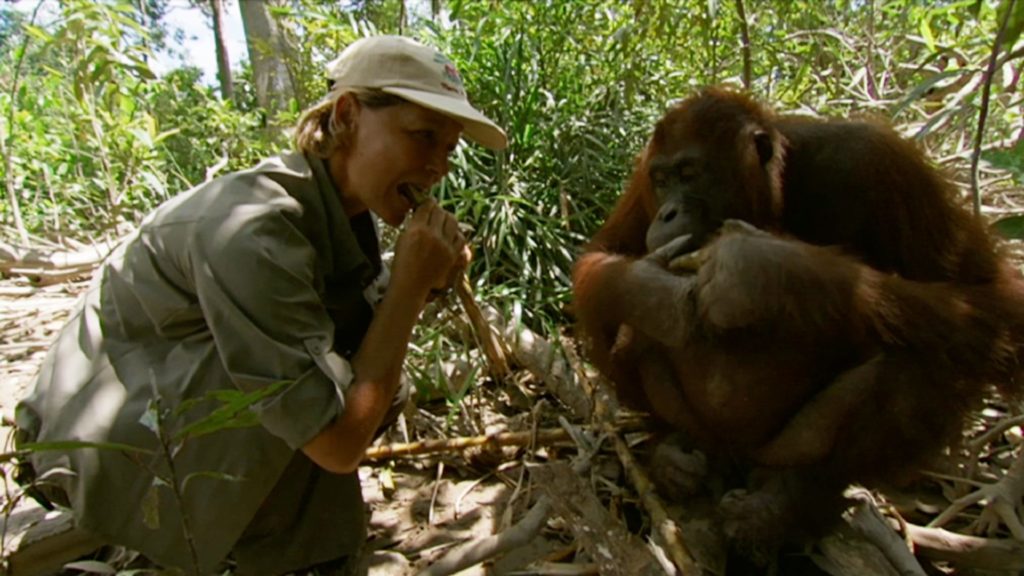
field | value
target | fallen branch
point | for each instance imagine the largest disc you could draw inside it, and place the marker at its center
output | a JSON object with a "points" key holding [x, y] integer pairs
{"points": [[476, 552], [551, 365], [520, 534], [52, 266], [664, 526], [44, 277], [53, 259], [994, 432], [865, 544], [1003, 506], [609, 545], [546, 436], [868, 521], [1001, 501], [967, 551], [34, 346]]}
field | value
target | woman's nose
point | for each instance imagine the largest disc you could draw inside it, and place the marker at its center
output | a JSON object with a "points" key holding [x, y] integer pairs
{"points": [[437, 166]]}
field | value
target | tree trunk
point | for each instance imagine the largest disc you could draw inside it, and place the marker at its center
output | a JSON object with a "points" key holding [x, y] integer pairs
{"points": [[227, 88], [12, 191], [267, 49], [741, 14]]}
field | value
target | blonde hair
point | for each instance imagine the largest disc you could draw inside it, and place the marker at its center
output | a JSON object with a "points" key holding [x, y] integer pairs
{"points": [[320, 131]]}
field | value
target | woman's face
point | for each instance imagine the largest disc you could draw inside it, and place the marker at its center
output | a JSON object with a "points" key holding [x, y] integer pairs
{"points": [[394, 153]]}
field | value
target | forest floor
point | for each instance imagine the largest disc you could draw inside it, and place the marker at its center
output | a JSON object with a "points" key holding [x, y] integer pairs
{"points": [[430, 505], [421, 506]]}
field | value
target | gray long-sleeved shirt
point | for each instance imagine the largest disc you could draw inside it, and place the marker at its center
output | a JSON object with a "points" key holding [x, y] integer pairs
{"points": [[251, 279]]}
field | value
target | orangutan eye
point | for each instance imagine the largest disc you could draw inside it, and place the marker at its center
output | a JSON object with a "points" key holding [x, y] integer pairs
{"points": [[687, 171], [658, 178]]}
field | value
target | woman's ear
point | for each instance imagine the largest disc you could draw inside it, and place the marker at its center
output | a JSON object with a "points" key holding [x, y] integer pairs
{"points": [[346, 110]]}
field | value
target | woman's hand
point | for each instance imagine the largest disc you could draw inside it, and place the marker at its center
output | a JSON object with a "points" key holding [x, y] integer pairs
{"points": [[431, 252]]}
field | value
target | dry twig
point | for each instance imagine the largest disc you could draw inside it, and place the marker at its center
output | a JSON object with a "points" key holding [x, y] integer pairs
{"points": [[610, 546], [493, 346], [666, 528], [967, 551], [1001, 502], [518, 535], [543, 437], [866, 544], [479, 550]]}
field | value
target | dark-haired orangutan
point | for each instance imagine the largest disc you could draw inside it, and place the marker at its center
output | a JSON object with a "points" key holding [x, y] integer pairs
{"points": [[846, 344]]}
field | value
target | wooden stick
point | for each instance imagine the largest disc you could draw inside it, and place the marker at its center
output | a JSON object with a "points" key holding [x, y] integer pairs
{"points": [[523, 532], [665, 526], [967, 551], [545, 436], [669, 531], [475, 552], [493, 347]]}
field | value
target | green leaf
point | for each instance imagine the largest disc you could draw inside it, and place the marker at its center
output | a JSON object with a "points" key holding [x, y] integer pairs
{"points": [[154, 184], [922, 88], [145, 72], [1010, 227], [151, 508], [210, 474], [713, 9], [975, 8], [91, 566], [166, 134], [926, 32], [37, 32], [64, 445], [233, 413], [142, 137], [1009, 159], [1014, 25], [150, 419]]}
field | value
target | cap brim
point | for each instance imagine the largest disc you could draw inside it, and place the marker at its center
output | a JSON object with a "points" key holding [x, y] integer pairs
{"points": [[475, 125]]}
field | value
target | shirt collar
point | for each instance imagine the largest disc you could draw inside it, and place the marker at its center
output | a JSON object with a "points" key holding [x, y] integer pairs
{"points": [[353, 242]]}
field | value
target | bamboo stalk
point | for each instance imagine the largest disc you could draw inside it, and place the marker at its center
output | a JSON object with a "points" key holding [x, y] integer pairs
{"points": [[545, 436]]}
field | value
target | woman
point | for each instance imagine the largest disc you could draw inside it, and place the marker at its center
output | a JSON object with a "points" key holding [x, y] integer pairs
{"points": [[262, 281]]}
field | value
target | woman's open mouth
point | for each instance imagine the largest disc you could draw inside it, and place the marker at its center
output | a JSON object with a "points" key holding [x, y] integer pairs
{"points": [[413, 193]]}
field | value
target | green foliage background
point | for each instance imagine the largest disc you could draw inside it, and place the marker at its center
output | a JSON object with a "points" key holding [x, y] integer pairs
{"points": [[92, 139]]}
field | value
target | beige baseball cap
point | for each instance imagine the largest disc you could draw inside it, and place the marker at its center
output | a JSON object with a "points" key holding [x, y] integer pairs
{"points": [[420, 74]]}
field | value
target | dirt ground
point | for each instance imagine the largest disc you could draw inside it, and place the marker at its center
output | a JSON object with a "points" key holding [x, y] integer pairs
{"points": [[421, 508], [30, 318]]}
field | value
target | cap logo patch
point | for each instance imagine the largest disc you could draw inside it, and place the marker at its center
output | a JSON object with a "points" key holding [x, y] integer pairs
{"points": [[451, 74]]}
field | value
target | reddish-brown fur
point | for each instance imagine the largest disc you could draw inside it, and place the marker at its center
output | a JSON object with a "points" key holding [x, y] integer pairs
{"points": [[847, 346]]}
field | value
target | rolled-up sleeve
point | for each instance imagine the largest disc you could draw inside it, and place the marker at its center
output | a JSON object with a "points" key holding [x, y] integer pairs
{"points": [[255, 277]]}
